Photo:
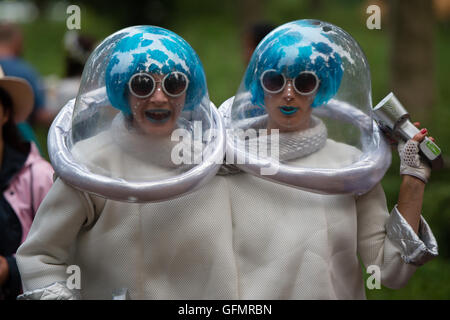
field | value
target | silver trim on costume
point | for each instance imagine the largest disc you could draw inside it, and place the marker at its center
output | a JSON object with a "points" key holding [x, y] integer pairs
{"points": [[55, 291], [358, 178], [416, 249], [80, 177]]}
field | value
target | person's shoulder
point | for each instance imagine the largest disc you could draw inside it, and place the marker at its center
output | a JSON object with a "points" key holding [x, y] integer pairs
{"points": [[18, 67]]}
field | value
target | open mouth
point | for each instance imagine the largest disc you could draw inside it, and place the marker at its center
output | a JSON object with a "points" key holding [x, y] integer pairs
{"points": [[288, 110], [158, 115]]}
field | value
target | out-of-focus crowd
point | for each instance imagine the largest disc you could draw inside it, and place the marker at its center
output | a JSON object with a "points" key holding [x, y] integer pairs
{"points": [[28, 100]]}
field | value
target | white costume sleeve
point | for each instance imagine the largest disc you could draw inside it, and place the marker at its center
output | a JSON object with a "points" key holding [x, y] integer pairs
{"points": [[45, 255], [382, 238]]}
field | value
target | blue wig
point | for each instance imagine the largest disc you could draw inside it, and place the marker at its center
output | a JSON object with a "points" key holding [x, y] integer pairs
{"points": [[153, 50], [294, 47]]}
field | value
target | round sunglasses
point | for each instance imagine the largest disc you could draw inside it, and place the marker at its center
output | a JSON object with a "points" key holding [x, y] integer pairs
{"points": [[142, 85], [306, 83]]}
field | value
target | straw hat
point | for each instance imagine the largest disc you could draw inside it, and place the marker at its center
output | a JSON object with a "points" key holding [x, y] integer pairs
{"points": [[21, 94]]}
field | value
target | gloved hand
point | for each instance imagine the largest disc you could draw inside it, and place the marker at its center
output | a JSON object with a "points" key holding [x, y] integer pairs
{"points": [[411, 162]]}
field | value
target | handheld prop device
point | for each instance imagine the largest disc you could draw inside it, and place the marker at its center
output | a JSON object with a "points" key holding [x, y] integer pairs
{"points": [[394, 119]]}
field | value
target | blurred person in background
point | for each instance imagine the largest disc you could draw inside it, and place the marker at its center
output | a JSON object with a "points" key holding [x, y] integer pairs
{"points": [[25, 179], [253, 36], [77, 48], [11, 48]]}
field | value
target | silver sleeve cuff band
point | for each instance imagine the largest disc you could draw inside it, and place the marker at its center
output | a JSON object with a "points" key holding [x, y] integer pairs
{"points": [[55, 291], [415, 249]]}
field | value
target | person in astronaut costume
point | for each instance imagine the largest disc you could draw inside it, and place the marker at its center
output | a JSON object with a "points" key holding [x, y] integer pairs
{"points": [[294, 239], [176, 248]]}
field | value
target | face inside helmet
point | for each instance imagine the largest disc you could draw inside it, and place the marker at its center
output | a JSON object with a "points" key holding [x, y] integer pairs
{"points": [[296, 68], [151, 77], [142, 115], [304, 103]]}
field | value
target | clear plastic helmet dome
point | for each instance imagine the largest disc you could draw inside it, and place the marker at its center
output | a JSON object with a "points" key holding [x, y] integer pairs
{"points": [[303, 113], [142, 127]]}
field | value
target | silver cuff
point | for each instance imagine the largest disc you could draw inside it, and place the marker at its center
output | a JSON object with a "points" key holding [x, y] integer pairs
{"points": [[416, 249], [55, 291]]}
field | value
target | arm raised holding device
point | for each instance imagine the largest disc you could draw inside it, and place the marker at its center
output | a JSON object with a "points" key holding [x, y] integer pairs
{"points": [[418, 154]]}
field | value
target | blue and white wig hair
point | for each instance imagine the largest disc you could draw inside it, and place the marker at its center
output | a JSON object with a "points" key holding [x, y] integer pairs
{"points": [[154, 50], [294, 47]]}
